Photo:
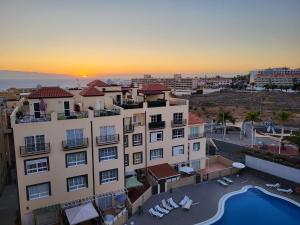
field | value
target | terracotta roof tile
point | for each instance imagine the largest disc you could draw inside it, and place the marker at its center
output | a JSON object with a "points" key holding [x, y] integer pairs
{"points": [[163, 171], [194, 119], [50, 92], [153, 88], [97, 83], [90, 92]]}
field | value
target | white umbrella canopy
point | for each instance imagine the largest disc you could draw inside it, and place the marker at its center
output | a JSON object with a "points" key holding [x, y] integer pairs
{"points": [[186, 169], [238, 165], [81, 213]]}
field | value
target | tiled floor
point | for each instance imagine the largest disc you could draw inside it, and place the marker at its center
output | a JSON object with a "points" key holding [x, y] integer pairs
{"points": [[205, 196]]}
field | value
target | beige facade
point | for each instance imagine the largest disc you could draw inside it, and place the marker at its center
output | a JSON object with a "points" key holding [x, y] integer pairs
{"points": [[113, 136]]}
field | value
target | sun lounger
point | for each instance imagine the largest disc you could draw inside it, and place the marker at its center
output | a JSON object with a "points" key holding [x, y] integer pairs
{"points": [[165, 205], [172, 203], [161, 210], [229, 181], [222, 183], [277, 185], [155, 213], [184, 201], [188, 204], [287, 191]]}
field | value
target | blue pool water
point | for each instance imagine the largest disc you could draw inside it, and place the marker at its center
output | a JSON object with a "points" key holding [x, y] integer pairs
{"points": [[257, 208]]}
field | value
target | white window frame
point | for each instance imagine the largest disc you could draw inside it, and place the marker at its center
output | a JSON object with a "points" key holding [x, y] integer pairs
{"points": [[137, 160], [137, 139], [109, 153], [38, 192], [178, 150], [77, 183], [154, 136], [156, 154], [75, 137], [110, 176], [78, 160], [39, 165], [177, 134], [196, 149]]}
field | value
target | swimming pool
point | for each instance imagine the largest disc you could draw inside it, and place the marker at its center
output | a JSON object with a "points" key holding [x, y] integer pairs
{"points": [[255, 206]]}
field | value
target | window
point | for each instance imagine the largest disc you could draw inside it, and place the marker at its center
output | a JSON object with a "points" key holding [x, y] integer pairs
{"points": [[36, 110], [67, 108], [35, 143], [137, 139], [178, 150], [196, 146], [126, 160], [76, 159], [156, 154], [38, 191], [36, 165], [156, 136], [137, 158], [107, 133], [196, 165], [105, 202], [156, 118], [138, 120], [126, 142], [178, 133], [76, 183], [75, 137], [177, 117], [194, 131], [108, 176], [108, 153]]}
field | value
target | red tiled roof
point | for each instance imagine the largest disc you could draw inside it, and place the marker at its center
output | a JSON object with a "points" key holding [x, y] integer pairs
{"points": [[163, 171], [50, 92], [153, 88], [194, 119], [97, 83], [90, 92]]}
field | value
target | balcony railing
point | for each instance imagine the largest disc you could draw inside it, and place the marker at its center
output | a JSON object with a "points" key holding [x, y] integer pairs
{"points": [[132, 105], [108, 139], [129, 128], [106, 112], [178, 123], [75, 143], [196, 136], [36, 149], [33, 119], [157, 103], [73, 115], [157, 125]]}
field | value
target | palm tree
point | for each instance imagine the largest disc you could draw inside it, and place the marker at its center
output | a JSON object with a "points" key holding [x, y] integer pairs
{"points": [[252, 116], [224, 116], [282, 117], [295, 139]]}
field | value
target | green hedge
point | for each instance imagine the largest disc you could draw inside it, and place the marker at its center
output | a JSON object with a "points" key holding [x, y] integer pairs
{"points": [[290, 161]]}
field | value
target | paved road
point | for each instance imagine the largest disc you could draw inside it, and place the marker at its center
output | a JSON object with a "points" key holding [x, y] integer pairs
{"points": [[8, 205]]}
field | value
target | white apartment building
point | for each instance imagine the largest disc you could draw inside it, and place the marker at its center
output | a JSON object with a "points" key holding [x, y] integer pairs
{"points": [[79, 145]]}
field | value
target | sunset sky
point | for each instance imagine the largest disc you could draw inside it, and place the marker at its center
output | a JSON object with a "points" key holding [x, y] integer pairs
{"points": [[89, 37]]}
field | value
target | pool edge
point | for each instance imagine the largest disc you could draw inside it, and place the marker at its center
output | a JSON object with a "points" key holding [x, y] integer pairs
{"points": [[222, 201]]}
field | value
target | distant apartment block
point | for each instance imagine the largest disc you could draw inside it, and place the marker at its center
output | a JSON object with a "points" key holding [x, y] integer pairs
{"points": [[80, 144]]}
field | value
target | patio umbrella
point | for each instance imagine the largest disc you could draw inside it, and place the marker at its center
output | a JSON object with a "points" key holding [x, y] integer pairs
{"points": [[186, 169], [120, 198], [238, 165], [132, 182]]}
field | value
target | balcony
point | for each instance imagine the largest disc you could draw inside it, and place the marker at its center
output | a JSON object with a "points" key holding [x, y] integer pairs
{"points": [[33, 119], [36, 149], [75, 144], [129, 128], [73, 115], [107, 140], [132, 105], [178, 123], [106, 112], [157, 125], [157, 103], [196, 136]]}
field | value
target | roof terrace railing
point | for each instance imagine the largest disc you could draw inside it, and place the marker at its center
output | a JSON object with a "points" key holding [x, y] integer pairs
{"points": [[106, 112], [33, 118], [72, 115]]}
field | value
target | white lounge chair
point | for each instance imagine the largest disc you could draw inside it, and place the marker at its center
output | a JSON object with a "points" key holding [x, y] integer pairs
{"points": [[188, 204], [222, 182], [165, 205], [172, 203], [277, 185], [160, 209], [287, 191], [184, 201], [155, 213], [229, 181]]}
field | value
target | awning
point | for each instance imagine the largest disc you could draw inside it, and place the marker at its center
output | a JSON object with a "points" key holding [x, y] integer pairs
{"points": [[81, 213], [163, 171], [186, 169], [132, 182]]}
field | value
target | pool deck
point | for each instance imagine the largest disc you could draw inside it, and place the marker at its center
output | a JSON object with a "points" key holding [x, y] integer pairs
{"points": [[205, 198]]}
